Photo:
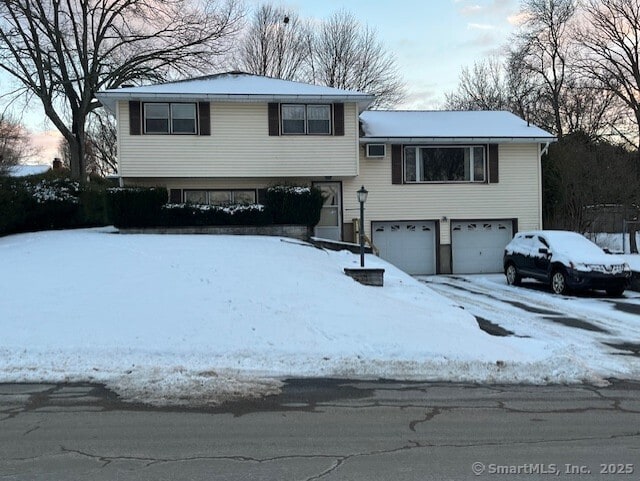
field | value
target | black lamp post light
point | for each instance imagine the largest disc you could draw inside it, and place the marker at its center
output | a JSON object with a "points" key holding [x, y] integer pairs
{"points": [[369, 276], [362, 198]]}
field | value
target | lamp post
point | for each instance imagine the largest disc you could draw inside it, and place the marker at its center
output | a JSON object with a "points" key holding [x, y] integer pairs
{"points": [[362, 198]]}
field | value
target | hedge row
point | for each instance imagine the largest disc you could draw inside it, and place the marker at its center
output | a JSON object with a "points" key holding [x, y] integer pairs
{"points": [[146, 207], [49, 202]]}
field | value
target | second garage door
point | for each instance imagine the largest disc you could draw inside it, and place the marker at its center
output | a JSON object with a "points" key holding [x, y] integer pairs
{"points": [[477, 247], [410, 246]]}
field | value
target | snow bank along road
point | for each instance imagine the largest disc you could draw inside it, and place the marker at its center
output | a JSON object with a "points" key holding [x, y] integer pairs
{"points": [[188, 319]]}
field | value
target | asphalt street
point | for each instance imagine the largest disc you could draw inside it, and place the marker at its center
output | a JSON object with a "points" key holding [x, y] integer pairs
{"points": [[329, 430]]}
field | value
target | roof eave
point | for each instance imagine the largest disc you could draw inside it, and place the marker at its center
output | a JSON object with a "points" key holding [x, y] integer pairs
{"points": [[109, 99], [457, 140]]}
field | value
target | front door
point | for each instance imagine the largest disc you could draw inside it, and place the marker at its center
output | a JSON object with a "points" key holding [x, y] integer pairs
{"points": [[330, 225]]}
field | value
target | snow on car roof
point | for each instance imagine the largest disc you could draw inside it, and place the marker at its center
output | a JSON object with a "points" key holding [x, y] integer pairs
{"points": [[575, 246], [416, 124]]}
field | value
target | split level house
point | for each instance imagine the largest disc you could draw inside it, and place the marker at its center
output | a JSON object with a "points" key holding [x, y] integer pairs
{"points": [[447, 190]]}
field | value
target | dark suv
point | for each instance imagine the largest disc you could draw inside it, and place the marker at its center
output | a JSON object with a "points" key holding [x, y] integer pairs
{"points": [[564, 260]]}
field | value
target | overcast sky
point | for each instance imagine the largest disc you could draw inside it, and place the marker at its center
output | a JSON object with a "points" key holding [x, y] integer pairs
{"points": [[431, 39]]}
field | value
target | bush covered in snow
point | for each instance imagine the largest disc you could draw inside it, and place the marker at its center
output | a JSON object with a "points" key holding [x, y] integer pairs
{"points": [[294, 205], [147, 207], [183, 215], [50, 201], [40, 203]]}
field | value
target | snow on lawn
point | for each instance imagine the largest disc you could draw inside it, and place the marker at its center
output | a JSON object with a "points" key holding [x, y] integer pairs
{"points": [[200, 319]]}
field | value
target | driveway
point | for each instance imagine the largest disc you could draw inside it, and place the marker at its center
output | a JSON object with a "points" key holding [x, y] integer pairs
{"points": [[588, 320]]}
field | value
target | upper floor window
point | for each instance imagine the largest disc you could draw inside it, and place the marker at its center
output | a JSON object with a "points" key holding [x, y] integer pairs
{"points": [[170, 118], [445, 164], [312, 119]]}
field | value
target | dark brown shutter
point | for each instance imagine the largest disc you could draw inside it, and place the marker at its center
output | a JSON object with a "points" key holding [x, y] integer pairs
{"points": [[338, 119], [205, 118], [262, 196], [396, 164], [274, 119], [135, 117], [175, 196], [493, 164]]}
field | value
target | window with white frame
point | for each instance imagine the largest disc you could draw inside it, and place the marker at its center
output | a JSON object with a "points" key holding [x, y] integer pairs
{"points": [[312, 119], [183, 118], [376, 150], [445, 164], [170, 118], [220, 197]]}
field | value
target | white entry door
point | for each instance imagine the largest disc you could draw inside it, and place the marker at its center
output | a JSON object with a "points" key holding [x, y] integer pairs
{"points": [[330, 225], [410, 246], [477, 247]]}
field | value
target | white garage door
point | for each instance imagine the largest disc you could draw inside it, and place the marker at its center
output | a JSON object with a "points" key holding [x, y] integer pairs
{"points": [[477, 247], [410, 246]]}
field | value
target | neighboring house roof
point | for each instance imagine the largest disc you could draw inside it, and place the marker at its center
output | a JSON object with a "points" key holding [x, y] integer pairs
{"points": [[234, 87], [25, 170], [448, 126]]}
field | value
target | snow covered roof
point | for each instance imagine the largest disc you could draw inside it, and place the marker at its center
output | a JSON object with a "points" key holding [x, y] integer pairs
{"points": [[235, 87], [24, 170], [448, 126]]}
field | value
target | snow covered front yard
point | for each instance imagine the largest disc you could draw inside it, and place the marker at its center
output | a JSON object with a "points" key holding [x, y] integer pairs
{"points": [[200, 319]]}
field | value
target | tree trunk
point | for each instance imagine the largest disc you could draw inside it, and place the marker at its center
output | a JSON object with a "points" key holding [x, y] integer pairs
{"points": [[633, 228], [76, 158], [77, 146]]}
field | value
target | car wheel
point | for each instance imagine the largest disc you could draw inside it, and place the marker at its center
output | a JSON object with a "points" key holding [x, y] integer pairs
{"points": [[559, 282], [615, 291], [513, 278]]}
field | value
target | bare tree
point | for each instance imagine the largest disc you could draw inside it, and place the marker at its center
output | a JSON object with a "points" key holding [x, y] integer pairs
{"points": [[64, 51], [543, 47], [103, 141], [100, 150], [611, 42], [588, 108], [484, 87], [14, 143], [348, 56], [275, 44]]}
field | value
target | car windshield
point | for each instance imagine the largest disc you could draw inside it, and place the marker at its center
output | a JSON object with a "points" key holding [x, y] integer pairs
{"points": [[572, 244]]}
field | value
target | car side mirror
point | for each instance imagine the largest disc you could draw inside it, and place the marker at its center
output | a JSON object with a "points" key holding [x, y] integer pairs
{"points": [[543, 250], [606, 250]]}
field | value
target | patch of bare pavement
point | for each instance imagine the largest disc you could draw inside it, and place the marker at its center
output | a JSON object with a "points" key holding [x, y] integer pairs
{"points": [[326, 429]]}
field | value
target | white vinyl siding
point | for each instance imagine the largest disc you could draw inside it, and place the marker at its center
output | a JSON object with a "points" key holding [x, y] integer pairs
{"points": [[516, 196], [239, 146]]}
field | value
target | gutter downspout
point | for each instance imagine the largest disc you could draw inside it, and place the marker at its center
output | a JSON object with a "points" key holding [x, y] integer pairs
{"points": [[540, 186], [545, 149]]}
